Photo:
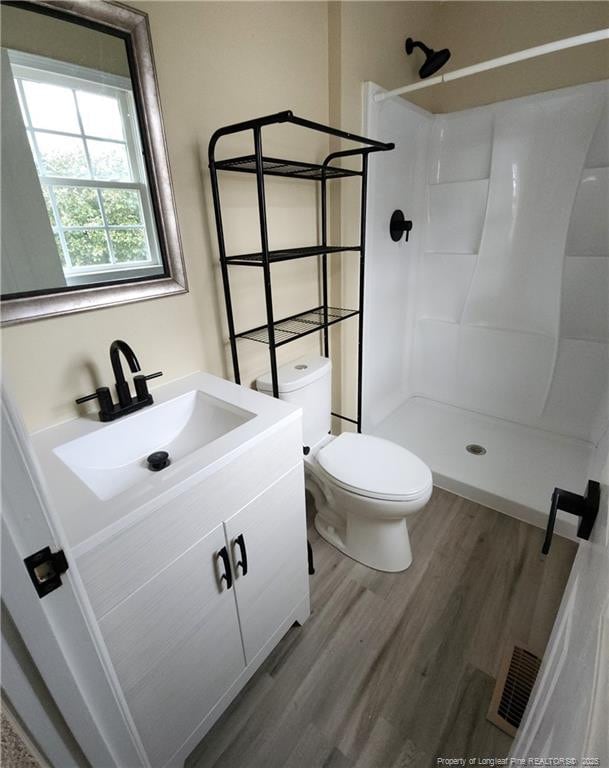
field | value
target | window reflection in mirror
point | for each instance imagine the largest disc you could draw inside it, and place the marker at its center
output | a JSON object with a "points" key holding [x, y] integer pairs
{"points": [[76, 207]]}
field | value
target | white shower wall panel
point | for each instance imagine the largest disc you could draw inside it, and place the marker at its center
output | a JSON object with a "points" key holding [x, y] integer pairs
{"points": [[397, 178], [598, 154], [510, 271], [539, 149], [444, 281], [585, 301], [455, 216], [577, 400], [589, 231], [538, 273], [503, 373], [474, 368], [435, 359], [461, 146]]}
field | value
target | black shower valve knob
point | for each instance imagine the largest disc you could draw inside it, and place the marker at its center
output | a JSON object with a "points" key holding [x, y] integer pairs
{"points": [[399, 226]]}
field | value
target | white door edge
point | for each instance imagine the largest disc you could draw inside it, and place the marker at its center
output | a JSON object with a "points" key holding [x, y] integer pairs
{"points": [[58, 630], [567, 712]]}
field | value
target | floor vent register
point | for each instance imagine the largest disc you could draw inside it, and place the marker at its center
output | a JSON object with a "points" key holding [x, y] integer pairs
{"points": [[513, 688]]}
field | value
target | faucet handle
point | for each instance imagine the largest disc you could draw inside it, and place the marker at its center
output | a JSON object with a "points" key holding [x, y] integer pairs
{"points": [[86, 398], [103, 395], [141, 388]]}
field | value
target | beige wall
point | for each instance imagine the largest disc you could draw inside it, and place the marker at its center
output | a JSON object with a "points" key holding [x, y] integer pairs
{"points": [[220, 62], [367, 43], [216, 63], [484, 30]]}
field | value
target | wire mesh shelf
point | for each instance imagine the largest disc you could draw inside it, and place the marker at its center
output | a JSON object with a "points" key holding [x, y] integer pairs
{"points": [[273, 166], [296, 326], [275, 333], [287, 254]]}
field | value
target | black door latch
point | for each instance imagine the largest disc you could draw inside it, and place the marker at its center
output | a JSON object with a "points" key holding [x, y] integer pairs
{"points": [[45, 569], [585, 507]]}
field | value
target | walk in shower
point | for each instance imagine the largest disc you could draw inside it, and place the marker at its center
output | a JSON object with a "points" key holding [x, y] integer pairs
{"points": [[490, 326]]}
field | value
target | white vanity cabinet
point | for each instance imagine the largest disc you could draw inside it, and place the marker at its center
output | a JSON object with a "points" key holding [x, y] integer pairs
{"points": [[270, 532], [148, 550], [176, 648], [183, 640]]}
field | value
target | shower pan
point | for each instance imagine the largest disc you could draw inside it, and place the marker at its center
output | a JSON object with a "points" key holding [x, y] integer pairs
{"points": [[497, 372]]}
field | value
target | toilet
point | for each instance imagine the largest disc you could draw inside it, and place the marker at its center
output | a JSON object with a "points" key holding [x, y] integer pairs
{"points": [[364, 487]]}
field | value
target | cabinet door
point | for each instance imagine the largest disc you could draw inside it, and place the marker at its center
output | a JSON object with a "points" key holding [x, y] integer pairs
{"points": [[176, 647], [273, 527]]}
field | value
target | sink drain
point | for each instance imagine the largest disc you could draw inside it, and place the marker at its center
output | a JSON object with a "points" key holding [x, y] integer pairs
{"points": [[477, 450], [158, 460]]}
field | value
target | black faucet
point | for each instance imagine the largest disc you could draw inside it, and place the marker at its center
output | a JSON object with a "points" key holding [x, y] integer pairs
{"points": [[122, 388], [108, 411]]}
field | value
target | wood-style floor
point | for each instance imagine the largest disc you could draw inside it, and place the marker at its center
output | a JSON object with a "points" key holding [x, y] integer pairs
{"points": [[395, 670]]}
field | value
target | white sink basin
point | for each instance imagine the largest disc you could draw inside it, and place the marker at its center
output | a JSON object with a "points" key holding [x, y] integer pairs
{"points": [[113, 459], [96, 476]]}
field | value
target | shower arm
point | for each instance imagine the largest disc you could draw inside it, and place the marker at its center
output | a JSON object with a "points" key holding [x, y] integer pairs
{"points": [[418, 44]]}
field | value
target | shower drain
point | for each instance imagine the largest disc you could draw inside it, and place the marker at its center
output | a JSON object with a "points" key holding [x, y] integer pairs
{"points": [[477, 450]]}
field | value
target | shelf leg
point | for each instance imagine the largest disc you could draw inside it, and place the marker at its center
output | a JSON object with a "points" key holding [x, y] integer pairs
{"points": [[266, 267], [224, 269], [324, 262], [362, 265]]}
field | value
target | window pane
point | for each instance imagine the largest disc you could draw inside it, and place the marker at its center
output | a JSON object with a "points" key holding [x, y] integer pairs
{"points": [[62, 156], [88, 247], [78, 206], [122, 206], [129, 245], [51, 107], [100, 115], [109, 160]]}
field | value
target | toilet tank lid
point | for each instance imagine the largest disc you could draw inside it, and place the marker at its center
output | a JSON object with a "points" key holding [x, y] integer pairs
{"points": [[296, 374]]}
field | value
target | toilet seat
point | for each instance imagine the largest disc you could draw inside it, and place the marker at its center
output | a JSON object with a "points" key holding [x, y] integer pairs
{"points": [[375, 468]]}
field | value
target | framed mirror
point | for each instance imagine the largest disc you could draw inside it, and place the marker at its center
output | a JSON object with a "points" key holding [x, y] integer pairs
{"points": [[88, 213]]}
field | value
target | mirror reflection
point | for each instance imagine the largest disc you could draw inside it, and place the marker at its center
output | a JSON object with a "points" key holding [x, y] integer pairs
{"points": [[76, 208]]}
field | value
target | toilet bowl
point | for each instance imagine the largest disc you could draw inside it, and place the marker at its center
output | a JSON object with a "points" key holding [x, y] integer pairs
{"points": [[364, 487]]}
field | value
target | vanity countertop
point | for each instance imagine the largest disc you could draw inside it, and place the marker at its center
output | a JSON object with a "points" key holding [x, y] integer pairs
{"points": [[87, 517]]}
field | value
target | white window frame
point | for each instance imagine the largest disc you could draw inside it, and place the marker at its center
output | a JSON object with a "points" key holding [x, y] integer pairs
{"points": [[26, 66]]}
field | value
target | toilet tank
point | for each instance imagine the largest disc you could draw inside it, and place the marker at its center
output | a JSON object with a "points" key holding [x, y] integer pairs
{"points": [[306, 382]]}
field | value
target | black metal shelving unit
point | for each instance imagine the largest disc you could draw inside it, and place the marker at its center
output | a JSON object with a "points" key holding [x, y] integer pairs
{"points": [[277, 332]]}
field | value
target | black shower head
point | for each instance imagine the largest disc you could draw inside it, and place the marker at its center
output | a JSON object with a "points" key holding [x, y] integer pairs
{"points": [[433, 59]]}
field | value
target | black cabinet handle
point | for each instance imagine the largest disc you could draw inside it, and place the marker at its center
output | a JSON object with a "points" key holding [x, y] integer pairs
{"points": [[310, 558], [242, 563], [227, 575]]}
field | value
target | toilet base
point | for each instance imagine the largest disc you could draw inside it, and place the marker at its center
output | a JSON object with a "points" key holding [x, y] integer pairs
{"points": [[380, 544]]}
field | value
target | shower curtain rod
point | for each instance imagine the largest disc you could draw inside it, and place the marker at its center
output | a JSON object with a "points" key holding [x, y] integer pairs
{"points": [[510, 58]]}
